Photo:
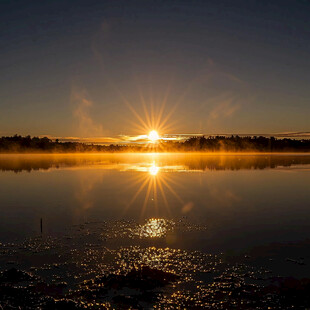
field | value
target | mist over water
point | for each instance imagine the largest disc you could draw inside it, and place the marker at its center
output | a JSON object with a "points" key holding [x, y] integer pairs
{"points": [[169, 162]]}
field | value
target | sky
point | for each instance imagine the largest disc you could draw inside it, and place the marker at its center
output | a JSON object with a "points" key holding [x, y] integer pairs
{"points": [[106, 69]]}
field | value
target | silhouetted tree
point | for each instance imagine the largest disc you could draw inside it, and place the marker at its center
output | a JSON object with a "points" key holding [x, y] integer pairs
{"points": [[233, 143]]}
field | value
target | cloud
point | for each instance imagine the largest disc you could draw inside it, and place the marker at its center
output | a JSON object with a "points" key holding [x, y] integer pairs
{"points": [[97, 40], [82, 107], [224, 109]]}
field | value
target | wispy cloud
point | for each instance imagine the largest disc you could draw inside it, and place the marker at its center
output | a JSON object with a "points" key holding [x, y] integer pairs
{"points": [[224, 109], [82, 107]]}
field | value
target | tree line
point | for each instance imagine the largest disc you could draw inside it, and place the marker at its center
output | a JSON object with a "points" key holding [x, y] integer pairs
{"points": [[20, 144], [234, 143]]}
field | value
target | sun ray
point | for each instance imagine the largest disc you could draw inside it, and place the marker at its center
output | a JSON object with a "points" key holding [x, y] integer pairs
{"points": [[161, 111], [137, 180], [166, 128], [165, 120], [172, 181], [172, 191], [162, 108], [148, 119], [152, 114], [155, 194], [163, 194], [154, 186], [136, 114], [138, 192], [146, 197], [138, 127]]}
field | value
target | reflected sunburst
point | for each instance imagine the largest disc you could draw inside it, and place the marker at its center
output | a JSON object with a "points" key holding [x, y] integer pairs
{"points": [[155, 184], [153, 169]]}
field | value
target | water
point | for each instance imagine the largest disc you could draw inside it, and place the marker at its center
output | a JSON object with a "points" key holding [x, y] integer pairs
{"points": [[244, 200], [158, 210]]}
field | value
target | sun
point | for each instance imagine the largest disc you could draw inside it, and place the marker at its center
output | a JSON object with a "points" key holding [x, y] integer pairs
{"points": [[153, 136]]}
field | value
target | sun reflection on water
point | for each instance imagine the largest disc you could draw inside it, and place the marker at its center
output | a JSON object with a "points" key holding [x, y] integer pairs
{"points": [[155, 228], [154, 184], [153, 170]]}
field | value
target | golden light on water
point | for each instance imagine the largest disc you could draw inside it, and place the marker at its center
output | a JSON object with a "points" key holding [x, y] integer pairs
{"points": [[154, 186], [155, 228], [153, 169]]}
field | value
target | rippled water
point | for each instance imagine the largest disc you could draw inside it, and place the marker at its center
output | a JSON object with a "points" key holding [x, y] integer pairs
{"points": [[201, 216]]}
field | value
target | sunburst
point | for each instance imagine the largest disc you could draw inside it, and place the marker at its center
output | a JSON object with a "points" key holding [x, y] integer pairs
{"points": [[154, 121], [154, 183]]}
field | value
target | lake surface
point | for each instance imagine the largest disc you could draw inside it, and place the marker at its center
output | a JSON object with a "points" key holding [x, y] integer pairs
{"points": [[242, 200], [227, 230]]}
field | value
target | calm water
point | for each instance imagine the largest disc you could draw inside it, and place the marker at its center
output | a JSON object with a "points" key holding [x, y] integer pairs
{"points": [[239, 201], [229, 231]]}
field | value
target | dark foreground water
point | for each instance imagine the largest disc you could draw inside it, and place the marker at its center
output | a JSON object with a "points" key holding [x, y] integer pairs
{"points": [[155, 231]]}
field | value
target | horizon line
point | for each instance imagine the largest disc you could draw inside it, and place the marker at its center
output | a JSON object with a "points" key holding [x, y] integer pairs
{"points": [[141, 139]]}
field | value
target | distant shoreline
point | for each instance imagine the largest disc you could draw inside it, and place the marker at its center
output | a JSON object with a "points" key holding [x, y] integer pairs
{"points": [[244, 153], [219, 144]]}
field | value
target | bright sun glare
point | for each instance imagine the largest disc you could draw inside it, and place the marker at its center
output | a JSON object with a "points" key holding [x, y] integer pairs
{"points": [[153, 169], [153, 136]]}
